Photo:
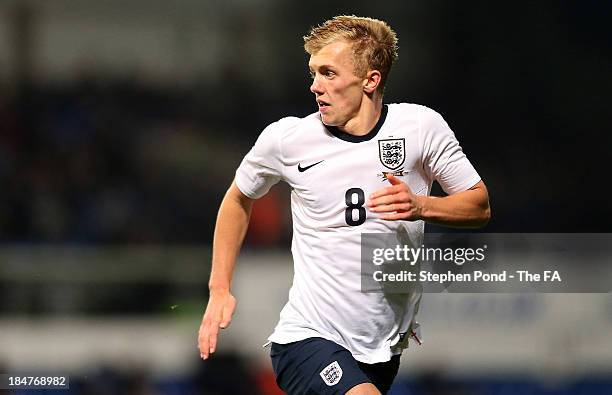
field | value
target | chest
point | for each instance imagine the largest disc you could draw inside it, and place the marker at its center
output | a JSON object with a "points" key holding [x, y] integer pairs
{"points": [[329, 175]]}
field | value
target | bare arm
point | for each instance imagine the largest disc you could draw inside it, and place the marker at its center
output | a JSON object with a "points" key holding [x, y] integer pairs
{"points": [[230, 229], [467, 209]]}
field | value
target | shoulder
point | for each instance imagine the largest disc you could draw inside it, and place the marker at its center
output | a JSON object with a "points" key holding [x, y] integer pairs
{"points": [[285, 132], [286, 126], [419, 112], [274, 132], [431, 119], [280, 127], [427, 121]]}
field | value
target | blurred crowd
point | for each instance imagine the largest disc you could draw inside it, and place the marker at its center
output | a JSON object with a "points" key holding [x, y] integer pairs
{"points": [[112, 162], [124, 159]]}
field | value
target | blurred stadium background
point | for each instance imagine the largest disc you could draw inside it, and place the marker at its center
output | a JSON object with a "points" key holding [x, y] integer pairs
{"points": [[122, 122]]}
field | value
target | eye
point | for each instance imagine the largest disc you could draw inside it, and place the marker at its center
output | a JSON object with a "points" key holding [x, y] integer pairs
{"points": [[329, 74], [311, 74]]}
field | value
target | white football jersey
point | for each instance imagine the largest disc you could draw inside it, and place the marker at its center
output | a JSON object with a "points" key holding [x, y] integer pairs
{"points": [[331, 174]]}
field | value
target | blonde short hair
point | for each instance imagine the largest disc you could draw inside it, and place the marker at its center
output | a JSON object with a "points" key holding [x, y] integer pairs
{"points": [[374, 43]]}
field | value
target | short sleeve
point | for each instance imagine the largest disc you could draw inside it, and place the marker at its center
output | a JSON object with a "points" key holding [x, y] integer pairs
{"points": [[442, 157], [262, 166]]}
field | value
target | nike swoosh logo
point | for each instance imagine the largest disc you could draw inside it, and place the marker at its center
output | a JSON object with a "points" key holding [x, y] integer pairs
{"points": [[303, 169]]}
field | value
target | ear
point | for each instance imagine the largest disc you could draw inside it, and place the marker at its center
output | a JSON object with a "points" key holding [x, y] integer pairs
{"points": [[371, 81]]}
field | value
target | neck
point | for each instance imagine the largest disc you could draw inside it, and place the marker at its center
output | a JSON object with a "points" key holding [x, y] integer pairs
{"points": [[365, 119]]}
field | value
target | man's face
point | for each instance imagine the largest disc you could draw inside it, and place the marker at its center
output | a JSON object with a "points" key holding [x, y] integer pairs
{"points": [[337, 89]]}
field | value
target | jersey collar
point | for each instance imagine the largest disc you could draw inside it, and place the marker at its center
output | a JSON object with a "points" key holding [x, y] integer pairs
{"points": [[366, 137]]}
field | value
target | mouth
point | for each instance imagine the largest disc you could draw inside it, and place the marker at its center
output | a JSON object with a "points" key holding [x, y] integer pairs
{"points": [[323, 105]]}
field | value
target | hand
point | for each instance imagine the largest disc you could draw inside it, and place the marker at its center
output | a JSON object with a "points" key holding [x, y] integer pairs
{"points": [[396, 202], [221, 306]]}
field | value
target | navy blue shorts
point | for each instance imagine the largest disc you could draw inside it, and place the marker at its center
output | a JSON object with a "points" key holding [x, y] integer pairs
{"points": [[317, 366]]}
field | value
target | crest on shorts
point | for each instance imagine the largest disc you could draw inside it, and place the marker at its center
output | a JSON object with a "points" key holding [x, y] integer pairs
{"points": [[331, 374], [392, 152]]}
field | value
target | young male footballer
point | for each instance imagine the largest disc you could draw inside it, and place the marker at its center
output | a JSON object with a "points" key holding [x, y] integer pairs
{"points": [[355, 166]]}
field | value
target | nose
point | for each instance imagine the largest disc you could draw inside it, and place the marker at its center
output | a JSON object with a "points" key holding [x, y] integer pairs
{"points": [[316, 86]]}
